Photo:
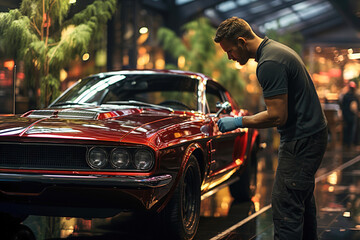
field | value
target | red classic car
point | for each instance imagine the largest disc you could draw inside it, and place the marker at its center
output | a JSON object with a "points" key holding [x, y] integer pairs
{"points": [[126, 140]]}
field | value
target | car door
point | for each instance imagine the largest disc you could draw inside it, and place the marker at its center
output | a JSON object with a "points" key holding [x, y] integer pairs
{"points": [[225, 148]]}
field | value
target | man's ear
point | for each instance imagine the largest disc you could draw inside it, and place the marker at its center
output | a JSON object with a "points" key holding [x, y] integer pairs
{"points": [[241, 41]]}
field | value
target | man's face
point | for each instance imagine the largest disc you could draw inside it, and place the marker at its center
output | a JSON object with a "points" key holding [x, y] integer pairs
{"points": [[235, 51]]}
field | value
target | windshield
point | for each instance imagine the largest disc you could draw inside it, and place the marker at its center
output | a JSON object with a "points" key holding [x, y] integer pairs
{"points": [[176, 92]]}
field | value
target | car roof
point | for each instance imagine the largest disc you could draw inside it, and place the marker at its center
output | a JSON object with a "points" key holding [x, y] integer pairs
{"points": [[155, 71], [162, 71]]}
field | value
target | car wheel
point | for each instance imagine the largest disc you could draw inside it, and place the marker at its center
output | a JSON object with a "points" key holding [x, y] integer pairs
{"points": [[8, 219], [182, 213], [244, 189], [19, 232], [13, 229]]}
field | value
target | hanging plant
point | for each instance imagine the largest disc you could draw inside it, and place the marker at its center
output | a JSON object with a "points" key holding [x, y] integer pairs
{"points": [[197, 48], [40, 34]]}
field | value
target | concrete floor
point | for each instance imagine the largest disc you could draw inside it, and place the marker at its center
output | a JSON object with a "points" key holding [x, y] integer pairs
{"points": [[337, 194]]}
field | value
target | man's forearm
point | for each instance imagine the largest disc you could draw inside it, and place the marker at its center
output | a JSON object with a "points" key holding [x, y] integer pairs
{"points": [[261, 120]]}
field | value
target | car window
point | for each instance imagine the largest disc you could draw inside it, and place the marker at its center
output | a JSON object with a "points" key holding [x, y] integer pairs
{"points": [[175, 91], [174, 99], [213, 96]]}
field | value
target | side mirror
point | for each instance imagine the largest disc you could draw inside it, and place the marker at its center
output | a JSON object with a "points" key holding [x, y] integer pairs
{"points": [[223, 106]]}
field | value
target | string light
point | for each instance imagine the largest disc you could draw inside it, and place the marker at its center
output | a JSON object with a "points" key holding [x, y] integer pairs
{"points": [[85, 57], [143, 30]]}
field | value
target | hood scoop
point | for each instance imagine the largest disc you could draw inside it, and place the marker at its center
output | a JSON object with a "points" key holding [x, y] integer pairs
{"points": [[77, 114], [83, 114], [65, 114], [39, 113]]}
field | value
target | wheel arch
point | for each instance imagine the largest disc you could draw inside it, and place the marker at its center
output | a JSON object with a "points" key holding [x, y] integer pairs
{"points": [[199, 154], [194, 149], [197, 150], [254, 141]]}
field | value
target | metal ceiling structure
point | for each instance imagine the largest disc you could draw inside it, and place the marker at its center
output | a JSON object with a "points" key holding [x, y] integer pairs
{"points": [[310, 17], [336, 21]]}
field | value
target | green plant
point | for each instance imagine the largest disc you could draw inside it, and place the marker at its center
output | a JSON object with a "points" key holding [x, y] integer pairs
{"points": [[41, 34], [292, 40], [200, 52]]}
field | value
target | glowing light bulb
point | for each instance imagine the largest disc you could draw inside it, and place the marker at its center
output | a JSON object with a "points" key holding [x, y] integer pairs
{"points": [[143, 30]]}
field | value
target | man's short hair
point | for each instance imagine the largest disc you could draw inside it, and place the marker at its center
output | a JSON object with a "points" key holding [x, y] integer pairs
{"points": [[232, 28]]}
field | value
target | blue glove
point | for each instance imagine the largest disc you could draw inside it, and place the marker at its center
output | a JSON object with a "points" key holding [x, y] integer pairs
{"points": [[229, 123]]}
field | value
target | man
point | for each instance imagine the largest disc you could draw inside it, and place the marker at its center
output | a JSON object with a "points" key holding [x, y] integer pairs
{"points": [[292, 105], [349, 108]]}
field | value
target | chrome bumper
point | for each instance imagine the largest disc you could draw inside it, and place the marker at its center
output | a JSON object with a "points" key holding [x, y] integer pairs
{"points": [[93, 180]]}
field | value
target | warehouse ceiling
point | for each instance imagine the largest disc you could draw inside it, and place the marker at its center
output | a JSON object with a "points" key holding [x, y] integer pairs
{"points": [[310, 17]]}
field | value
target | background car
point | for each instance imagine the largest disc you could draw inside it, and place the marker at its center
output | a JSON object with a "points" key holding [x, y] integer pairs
{"points": [[127, 140]]}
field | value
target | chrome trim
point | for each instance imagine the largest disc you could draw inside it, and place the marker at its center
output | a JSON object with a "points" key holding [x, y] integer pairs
{"points": [[97, 180]]}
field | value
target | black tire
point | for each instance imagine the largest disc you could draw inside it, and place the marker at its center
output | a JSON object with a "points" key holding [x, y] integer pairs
{"points": [[182, 214], [8, 219], [244, 189], [19, 232], [12, 229]]}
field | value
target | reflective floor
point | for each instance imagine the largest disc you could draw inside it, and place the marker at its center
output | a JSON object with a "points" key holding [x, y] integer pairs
{"points": [[337, 193]]}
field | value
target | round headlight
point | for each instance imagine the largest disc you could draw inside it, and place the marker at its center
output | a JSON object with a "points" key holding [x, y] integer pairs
{"points": [[120, 158], [97, 158], [143, 159]]}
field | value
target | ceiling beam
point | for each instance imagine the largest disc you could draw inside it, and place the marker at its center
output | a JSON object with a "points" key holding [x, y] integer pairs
{"points": [[157, 5], [319, 25], [349, 10], [191, 9], [244, 11]]}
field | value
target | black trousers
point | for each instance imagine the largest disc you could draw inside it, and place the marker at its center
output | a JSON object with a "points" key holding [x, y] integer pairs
{"points": [[293, 203], [349, 132]]}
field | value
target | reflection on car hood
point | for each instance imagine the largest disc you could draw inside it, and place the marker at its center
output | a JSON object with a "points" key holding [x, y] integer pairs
{"points": [[94, 123]]}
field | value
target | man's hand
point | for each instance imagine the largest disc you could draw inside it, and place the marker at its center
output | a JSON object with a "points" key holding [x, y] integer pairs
{"points": [[229, 123]]}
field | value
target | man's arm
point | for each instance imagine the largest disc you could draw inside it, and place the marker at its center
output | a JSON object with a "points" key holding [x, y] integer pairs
{"points": [[354, 107], [275, 115]]}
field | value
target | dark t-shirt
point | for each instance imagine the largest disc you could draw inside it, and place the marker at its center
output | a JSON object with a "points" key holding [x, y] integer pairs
{"points": [[280, 70]]}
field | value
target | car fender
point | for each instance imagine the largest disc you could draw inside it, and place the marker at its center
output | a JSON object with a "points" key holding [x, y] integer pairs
{"points": [[185, 158], [253, 139]]}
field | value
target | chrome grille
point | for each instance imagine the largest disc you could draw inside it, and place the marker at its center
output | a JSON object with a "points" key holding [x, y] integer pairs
{"points": [[77, 114], [42, 156]]}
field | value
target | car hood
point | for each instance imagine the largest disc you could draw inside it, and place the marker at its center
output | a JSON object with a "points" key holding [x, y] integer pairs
{"points": [[135, 125]]}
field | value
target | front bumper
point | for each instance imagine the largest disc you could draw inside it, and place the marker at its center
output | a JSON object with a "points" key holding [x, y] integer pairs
{"points": [[80, 195], [94, 180]]}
